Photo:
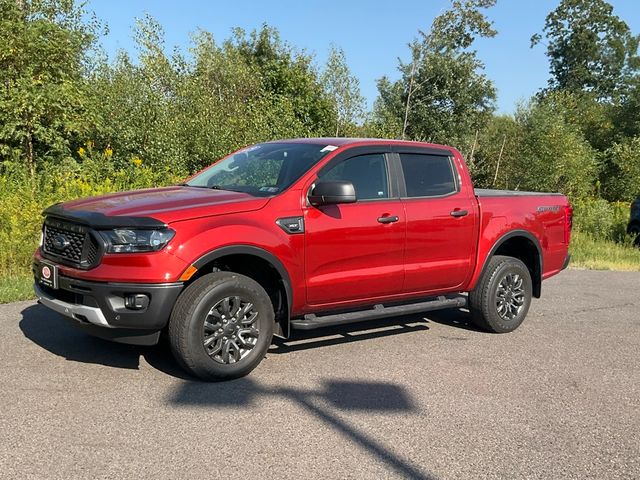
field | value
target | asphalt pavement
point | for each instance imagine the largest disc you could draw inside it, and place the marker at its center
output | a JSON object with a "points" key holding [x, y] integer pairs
{"points": [[413, 397]]}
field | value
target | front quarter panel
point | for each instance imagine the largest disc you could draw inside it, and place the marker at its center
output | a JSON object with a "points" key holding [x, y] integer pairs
{"points": [[255, 229]]}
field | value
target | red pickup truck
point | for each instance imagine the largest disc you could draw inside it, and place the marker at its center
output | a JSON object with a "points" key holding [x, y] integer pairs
{"points": [[297, 234]]}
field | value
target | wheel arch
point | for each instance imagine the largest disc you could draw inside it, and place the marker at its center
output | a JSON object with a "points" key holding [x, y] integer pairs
{"points": [[524, 246], [263, 259]]}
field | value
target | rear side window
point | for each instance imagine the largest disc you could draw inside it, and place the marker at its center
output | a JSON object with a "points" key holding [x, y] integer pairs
{"points": [[368, 173], [427, 175]]}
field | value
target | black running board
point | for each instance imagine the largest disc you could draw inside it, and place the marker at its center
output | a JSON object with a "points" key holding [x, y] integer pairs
{"points": [[311, 321]]}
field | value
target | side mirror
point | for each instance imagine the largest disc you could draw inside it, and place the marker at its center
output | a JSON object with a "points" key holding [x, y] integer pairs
{"points": [[331, 193]]}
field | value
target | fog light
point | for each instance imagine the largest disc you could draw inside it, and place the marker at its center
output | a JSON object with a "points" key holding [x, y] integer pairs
{"points": [[136, 301]]}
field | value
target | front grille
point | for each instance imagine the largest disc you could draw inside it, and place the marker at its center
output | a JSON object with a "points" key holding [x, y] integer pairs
{"points": [[70, 243]]}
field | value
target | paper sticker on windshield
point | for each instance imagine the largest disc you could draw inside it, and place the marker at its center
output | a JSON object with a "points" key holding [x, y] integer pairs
{"points": [[249, 149], [329, 148]]}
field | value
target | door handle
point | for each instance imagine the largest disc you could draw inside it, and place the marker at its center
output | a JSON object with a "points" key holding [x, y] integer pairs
{"points": [[388, 219], [459, 213]]}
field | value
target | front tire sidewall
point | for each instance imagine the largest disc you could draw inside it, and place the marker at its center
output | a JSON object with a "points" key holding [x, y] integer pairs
{"points": [[193, 354]]}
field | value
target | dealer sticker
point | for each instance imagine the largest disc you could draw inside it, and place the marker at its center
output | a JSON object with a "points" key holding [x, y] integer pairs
{"points": [[49, 275]]}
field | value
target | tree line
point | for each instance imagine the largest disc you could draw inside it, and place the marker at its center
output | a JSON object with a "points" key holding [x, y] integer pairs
{"points": [[66, 110]]}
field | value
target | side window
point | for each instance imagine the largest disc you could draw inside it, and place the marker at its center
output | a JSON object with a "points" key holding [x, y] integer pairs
{"points": [[427, 175], [368, 173]]}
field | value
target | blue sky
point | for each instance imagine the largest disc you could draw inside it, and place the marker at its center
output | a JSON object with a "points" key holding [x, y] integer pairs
{"points": [[373, 34]]}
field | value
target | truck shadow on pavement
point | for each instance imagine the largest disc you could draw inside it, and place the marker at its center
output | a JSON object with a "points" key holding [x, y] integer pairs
{"points": [[339, 395], [60, 337], [367, 330]]}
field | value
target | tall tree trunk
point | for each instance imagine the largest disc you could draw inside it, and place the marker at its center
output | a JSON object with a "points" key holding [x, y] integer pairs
{"points": [[473, 149], [504, 140], [408, 105]]}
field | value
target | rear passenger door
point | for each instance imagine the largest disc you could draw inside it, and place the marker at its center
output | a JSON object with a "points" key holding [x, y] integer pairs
{"points": [[440, 221]]}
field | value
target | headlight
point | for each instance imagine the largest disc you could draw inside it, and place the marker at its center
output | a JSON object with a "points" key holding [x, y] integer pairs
{"points": [[127, 240]]}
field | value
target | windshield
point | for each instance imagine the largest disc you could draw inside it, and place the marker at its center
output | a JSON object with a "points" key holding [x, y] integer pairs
{"points": [[262, 170]]}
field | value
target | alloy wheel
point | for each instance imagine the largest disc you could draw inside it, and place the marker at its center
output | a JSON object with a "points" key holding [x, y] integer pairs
{"points": [[510, 296], [230, 331]]}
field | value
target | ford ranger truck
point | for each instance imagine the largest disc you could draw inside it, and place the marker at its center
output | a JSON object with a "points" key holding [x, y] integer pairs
{"points": [[296, 235]]}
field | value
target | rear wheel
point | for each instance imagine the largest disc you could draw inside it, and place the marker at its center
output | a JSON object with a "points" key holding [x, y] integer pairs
{"points": [[502, 297], [221, 326]]}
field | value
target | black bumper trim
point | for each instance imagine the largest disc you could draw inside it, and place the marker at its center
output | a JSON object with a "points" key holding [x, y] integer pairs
{"points": [[109, 298]]}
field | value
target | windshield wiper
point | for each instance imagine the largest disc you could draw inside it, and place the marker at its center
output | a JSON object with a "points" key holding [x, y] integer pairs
{"points": [[212, 187]]}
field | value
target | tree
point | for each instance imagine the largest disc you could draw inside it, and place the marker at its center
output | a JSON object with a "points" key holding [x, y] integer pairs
{"points": [[344, 89], [43, 96], [497, 156], [554, 156], [623, 170], [589, 48], [287, 74], [443, 96]]}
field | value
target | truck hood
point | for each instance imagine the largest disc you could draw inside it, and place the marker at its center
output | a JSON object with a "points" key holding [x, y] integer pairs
{"points": [[167, 204]]}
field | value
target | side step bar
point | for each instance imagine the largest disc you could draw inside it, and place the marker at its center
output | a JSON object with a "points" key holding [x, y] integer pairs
{"points": [[311, 321]]}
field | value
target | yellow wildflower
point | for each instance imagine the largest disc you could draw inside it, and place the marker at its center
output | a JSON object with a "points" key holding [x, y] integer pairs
{"points": [[137, 161], [108, 152], [81, 152]]}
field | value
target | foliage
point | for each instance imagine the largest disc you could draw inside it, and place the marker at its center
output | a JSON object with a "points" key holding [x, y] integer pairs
{"points": [[24, 197], [287, 74], [43, 94], [538, 149], [344, 90], [74, 124], [587, 252], [14, 289], [442, 96], [497, 160], [589, 48], [554, 155], [623, 170]]}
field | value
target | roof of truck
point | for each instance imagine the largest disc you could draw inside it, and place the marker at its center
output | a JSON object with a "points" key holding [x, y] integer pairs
{"points": [[340, 141]]}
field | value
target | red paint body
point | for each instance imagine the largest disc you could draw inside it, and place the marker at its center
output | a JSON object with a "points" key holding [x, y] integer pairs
{"points": [[345, 257]]}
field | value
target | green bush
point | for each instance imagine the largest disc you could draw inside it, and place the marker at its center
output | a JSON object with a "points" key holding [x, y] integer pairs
{"points": [[602, 220], [23, 198]]}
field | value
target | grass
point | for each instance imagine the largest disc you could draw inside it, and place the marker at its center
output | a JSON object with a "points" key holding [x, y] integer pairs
{"points": [[585, 253], [13, 289], [592, 254]]}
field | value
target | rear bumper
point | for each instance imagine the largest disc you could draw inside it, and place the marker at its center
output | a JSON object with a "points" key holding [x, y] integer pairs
{"points": [[99, 308]]}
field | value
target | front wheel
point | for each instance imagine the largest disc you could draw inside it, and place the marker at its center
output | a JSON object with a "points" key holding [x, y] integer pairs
{"points": [[502, 297], [221, 326]]}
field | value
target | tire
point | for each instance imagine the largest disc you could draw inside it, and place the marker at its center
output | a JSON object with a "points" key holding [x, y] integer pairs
{"points": [[204, 312], [508, 275]]}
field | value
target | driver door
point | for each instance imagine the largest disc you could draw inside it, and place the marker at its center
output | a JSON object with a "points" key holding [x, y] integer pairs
{"points": [[354, 252]]}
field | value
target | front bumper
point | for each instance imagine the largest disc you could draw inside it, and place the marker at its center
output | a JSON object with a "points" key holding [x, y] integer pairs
{"points": [[99, 307]]}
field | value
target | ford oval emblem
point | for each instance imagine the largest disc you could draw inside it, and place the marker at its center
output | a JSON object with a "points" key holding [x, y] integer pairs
{"points": [[60, 242]]}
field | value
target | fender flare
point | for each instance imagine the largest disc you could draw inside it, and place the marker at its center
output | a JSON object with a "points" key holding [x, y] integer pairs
{"points": [[256, 252], [537, 277]]}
